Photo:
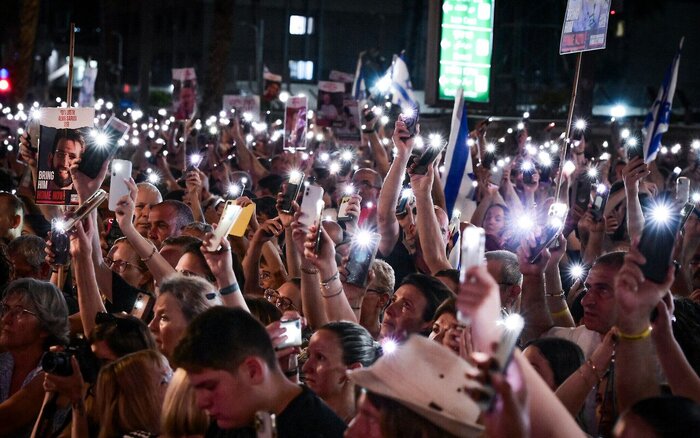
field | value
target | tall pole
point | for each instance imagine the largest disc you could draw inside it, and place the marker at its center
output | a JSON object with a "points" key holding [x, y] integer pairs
{"points": [[71, 55], [569, 121]]}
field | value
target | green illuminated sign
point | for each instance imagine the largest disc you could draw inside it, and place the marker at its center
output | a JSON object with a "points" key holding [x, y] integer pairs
{"points": [[465, 49]]}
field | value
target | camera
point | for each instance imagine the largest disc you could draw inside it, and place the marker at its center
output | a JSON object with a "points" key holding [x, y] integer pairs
{"points": [[59, 362]]}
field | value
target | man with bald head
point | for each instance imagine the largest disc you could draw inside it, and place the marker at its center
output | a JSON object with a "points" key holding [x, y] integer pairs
{"points": [[147, 196]]}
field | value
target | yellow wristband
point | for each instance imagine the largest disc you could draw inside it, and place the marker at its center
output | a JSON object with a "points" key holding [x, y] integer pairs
{"points": [[560, 313], [643, 335]]}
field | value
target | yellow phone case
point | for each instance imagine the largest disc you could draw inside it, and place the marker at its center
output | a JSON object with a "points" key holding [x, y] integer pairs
{"points": [[241, 224]]}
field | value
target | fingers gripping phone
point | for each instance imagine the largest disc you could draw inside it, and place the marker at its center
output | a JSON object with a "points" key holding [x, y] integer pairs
{"points": [[410, 118], [265, 425], [551, 231], [426, 159], [601, 198], [293, 332], [121, 170]]}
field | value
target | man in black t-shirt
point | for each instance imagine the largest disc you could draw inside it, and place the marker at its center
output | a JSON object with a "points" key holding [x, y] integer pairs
{"points": [[233, 369]]}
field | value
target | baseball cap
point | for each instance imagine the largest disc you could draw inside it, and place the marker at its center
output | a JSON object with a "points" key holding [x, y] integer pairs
{"points": [[428, 379]]}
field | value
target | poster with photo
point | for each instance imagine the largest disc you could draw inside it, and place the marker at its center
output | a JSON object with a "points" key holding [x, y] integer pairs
{"points": [[184, 93], [347, 128], [345, 78], [330, 103], [585, 26], [64, 136], [295, 123], [242, 104]]}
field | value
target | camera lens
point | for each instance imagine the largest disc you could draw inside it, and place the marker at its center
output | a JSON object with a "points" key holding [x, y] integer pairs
{"points": [[57, 363]]}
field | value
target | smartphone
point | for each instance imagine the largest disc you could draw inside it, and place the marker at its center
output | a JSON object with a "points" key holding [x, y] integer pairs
{"points": [[72, 218], [528, 177], [121, 170], [473, 249], [656, 245], [343, 215], [601, 198], [228, 217], [240, 226], [366, 212], [292, 331], [311, 206], [633, 152], [368, 113], [143, 306], [291, 193], [59, 242], [102, 148], [551, 231], [502, 356], [410, 118], [265, 425], [405, 201], [686, 211], [583, 192], [453, 229], [317, 238], [682, 189], [363, 249], [426, 159]]}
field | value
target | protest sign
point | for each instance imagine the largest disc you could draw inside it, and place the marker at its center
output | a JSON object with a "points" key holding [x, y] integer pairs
{"points": [[346, 78], [184, 93], [295, 123], [242, 104], [62, 139], [585, 26], [330, 102]]}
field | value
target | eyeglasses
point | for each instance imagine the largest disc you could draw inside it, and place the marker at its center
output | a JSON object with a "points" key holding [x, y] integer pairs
{"points": [[120, 266], [282, 303], [18, 312], [367, 185]]}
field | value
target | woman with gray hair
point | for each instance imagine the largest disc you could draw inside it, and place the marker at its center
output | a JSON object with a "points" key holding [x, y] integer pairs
{"points": [[34, 316], [181, 299]]}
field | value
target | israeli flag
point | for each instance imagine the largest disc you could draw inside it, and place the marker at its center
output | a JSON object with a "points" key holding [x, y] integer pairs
{"points": [[401, 89], [659, 116], [458, 182], [359, 90]]}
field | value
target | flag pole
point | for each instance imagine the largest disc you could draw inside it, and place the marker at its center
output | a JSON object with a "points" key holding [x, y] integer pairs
{"points": [[569, 121]]}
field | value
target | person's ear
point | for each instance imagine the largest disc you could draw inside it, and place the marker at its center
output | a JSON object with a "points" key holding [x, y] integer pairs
{"points": [[16, 221], [253, 370]]}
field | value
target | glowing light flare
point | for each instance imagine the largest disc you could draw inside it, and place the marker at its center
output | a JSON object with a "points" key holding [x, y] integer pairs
{"points": [[520, 126], [695, 145], [695, 197], [576, 271], [569, 167], [384, 84], [153, 178], [525, 223], [284, 97], [601, 189], [592, 172], [580, 124], [389, 346], [334, 168], [660, 214], [490, 148], [513, 322]]}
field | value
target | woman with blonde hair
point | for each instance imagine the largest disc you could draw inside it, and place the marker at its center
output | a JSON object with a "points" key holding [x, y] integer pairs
{"points": [[129, 395], [180, 416]]}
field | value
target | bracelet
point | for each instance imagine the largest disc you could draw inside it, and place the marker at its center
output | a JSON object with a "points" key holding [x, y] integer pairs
{"points": [[325, 283], [559, 295], [368, 131], [310, 271], [355, 308], [228, 290], [335, 294], [560, 313], [638, 337], [147, 259], [594, 369]]}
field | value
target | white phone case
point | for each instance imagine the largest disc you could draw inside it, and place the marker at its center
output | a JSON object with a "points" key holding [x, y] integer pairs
{"points": [[228, 218], [313, 198], [121, 170]]}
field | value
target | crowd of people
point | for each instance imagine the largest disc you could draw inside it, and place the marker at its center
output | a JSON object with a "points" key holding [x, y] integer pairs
{"points": [[157, 327]]}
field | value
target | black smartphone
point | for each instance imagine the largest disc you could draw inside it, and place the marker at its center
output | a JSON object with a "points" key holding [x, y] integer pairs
{"points": [[102, 146], [633, 152], [656, 245], [143, 306], [527, 177], [404, 201], [363, 250], [294, 185], [686, 211], [583, 192], [368, 113], [410, 118], [552, 230], [601, 198], [59, 243], [426, 159]]}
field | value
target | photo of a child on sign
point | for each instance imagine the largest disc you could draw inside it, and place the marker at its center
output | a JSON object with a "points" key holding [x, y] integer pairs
{"points": [[61, 142]]}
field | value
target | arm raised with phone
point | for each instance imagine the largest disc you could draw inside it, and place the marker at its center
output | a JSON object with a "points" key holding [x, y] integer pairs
{"points": [[159, 266], [389, 194]]}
